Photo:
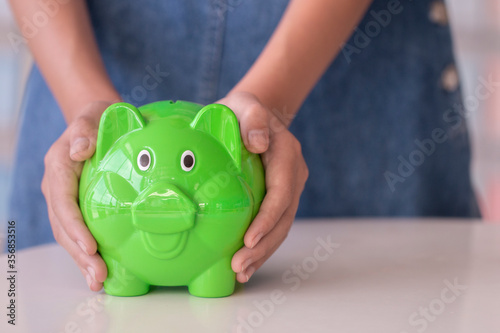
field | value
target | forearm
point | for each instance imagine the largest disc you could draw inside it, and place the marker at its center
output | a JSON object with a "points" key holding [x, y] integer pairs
{"points": [[303, 45], [65, 50]]}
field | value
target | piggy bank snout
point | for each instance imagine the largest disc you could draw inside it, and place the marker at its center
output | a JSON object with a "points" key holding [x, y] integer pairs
{"points": [[163, 209]]}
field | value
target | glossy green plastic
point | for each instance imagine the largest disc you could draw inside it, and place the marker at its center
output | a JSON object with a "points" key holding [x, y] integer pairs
{"points": [[168, 196]]}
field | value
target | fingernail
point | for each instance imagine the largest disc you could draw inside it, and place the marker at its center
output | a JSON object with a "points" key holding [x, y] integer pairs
{"points": [[258, 139], [79, 145], [82, 246], [245, 265], [89, 280], [250, 272], [256, 240], [91, 272]]}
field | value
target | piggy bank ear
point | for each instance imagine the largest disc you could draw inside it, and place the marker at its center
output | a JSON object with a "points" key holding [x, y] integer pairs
{"points": [[220, 122], [117, 120]]}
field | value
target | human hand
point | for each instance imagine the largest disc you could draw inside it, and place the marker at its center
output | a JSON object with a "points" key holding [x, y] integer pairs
{"points": [[263, 132], [63, 167]]}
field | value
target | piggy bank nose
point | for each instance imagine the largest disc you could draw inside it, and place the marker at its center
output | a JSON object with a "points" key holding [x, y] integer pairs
{"points": [[163, 209]]}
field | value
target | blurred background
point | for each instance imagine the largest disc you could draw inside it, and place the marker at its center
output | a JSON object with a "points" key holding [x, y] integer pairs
{"points": [[476, 32], [476, 29], [14, 67]]}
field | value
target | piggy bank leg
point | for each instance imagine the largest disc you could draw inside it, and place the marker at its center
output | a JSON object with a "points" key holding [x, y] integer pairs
{"points": [[216, 281], [120, 282]]}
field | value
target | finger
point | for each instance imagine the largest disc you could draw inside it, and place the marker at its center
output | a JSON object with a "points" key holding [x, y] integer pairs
{"points": [[63, 198], [246, 261], [245, 275], [274, 205], [92, 267], [247, 256], [92, 283], [280, 191]]}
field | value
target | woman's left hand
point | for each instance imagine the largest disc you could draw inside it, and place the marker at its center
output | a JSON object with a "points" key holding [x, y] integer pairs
{"points": [[263, 132]]}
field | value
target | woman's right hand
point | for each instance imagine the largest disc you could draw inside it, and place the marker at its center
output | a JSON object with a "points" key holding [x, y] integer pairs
{"points": [[63, 167]]}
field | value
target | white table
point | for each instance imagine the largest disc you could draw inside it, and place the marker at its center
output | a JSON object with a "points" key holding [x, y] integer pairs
{"points": [[388, 276]]}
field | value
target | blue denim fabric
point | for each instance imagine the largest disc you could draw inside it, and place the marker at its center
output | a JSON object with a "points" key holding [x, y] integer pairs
{"points": [[358, 125]]}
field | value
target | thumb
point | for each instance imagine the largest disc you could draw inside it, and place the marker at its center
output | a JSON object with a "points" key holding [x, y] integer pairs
{"points": [[254, 125], [83, 131], [257, 139], [83, 137]]}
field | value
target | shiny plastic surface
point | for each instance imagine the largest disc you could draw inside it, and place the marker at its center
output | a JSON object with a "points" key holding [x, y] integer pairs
{"points": [[168, 196]]}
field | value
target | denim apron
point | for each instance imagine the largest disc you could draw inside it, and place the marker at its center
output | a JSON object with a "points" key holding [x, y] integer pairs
{"points": [[383, 132]]}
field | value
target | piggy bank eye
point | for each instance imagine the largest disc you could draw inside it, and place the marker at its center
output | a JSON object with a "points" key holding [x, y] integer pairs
{"points": [[144, 160], [187, 160]]}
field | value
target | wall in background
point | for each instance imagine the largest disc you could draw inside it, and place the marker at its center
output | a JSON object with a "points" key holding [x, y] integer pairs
{"points": [[476, 30]]}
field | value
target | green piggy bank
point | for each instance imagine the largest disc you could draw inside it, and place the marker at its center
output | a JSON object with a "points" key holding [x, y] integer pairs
{"points": [[168, 196]]}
